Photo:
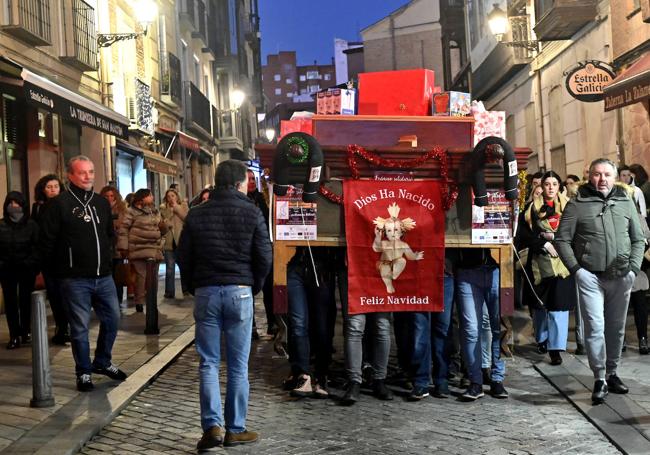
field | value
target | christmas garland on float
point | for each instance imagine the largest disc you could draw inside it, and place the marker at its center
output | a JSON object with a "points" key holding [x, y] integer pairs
{"points": [[297, 149], [450, 192]]}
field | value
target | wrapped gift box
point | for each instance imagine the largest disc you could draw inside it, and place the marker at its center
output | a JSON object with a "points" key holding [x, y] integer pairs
{"points": [[489, 123], [301, 125], [336, 102], [451, 103], [404, 92]]}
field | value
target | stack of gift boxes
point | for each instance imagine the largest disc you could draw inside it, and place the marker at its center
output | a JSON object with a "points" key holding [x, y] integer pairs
{"points": [[402, 93]]}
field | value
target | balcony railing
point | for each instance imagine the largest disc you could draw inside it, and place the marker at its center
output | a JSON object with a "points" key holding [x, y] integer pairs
{"points": [[29, 20], [171, 85], [80, 48], [197, 109]]}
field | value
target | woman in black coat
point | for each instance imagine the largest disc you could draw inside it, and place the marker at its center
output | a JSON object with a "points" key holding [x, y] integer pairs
{"points": [[18, 266]]}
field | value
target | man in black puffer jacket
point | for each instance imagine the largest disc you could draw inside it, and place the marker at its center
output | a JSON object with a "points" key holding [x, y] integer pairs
{"points": [[77, 247], [224, 254]]}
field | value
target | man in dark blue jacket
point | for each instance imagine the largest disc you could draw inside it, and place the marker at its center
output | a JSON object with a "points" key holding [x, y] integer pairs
{"points": [[224, 254], [77, 247]]}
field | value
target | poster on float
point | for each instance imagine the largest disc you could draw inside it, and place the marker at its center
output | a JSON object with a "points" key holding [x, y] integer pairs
{"points": [[492, 224], [395, 235], [295, 219]]}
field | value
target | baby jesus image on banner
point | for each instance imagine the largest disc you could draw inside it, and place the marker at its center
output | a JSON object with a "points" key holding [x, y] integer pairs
{"points": [[395, 235], [393, 250]]}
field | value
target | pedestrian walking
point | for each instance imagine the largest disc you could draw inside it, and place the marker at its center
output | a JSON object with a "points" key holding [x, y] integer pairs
{"points": [[140, 239], [173, 211], [19, 266], [224, 255], [47, 188], [118, 211], [77, 245], [601, 243], [552, 283]]}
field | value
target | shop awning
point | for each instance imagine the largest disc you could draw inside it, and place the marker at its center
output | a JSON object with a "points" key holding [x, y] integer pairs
{"points": [[152, 161], [157, 163], [629, 87], [184, 139]]}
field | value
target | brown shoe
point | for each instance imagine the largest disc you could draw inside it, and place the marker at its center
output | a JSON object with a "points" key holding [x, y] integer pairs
{"points": [[233, 439], [211, 440]]}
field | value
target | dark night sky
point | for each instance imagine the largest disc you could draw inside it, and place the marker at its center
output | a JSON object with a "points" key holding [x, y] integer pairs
{"points": [[301, 25]]}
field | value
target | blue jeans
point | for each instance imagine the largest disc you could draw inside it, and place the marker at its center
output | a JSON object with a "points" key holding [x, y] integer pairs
{"points": [[486, 339], [413, 335], [475, 287], [170, 272], [227, 309], [79, 296], [309, 310], [440, 339]]}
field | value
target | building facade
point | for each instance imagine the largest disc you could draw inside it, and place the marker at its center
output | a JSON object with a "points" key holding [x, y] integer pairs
{"points": [[529, 82]]}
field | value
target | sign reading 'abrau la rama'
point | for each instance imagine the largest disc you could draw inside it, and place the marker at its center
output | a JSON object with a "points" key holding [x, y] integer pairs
{"points": [[586, 80]]}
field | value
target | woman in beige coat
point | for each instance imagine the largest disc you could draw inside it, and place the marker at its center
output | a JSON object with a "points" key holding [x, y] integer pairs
{"points": [[173, 211], [140, 239]]}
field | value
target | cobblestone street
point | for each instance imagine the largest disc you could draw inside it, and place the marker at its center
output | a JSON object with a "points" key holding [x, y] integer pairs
{"points": [[164, 418]]}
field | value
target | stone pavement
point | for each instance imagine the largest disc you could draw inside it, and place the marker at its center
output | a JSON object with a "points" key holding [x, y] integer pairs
{"points": [[536, 419], [22, 427]]}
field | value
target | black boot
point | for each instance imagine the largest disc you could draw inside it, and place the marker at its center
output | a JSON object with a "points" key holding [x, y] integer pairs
{"points": [[351, 394], [556, 358], [13, 343], [643, 346], [380, 390]]}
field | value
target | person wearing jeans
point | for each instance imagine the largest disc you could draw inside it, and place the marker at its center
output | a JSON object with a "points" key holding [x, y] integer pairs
{"points": [[103, 297], [440, 323], [354, 327], [224, 254], [227, 309], [309, 314], [477, 283]]}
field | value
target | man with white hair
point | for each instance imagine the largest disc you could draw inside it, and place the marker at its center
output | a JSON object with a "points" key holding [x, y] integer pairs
{"points": [[601, 242]]}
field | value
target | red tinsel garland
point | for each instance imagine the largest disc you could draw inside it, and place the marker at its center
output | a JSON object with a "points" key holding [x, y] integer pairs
{"points": [[450, 192]]}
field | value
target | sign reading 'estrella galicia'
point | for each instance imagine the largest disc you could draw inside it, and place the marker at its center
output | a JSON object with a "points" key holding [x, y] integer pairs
{"points": [[586, 80]]}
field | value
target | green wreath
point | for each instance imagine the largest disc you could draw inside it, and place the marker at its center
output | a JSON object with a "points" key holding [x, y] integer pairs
{"points": [[293, 156]]}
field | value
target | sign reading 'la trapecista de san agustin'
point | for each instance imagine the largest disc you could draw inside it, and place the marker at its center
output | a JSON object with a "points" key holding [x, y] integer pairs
{"points": [[587, 80]]}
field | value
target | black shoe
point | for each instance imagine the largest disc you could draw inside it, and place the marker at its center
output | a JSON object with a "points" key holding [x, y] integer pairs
{"points": [[473, 392], [380, 390], [139, 308], [418, 393], [60, 338], [27, 338], [486, 376], [580, 349], [556, 358], [211, 440], [600, 392], [541, 347], [255, 335], [615, 385], [351, 394], [643, 346], [441, 391], [13, 343], [303, 387], [84, 383], [497, 390], [172, 296], [111, 371]]}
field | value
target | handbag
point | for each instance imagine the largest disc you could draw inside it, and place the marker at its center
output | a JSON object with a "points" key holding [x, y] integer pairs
{"points": [[521, 262], [122, 273]]}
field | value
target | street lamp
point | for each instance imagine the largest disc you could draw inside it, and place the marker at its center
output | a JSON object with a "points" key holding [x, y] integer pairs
{"points": [[146, 12], [498, 22], [237, 96], [270, 134]]}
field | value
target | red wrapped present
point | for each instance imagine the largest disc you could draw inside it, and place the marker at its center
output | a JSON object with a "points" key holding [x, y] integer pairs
{"points": [[303, 125], [489, 123], [404, 92]]}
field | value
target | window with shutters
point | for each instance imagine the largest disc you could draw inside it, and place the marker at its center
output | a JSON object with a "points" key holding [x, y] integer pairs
{"points": [[80, 35]]}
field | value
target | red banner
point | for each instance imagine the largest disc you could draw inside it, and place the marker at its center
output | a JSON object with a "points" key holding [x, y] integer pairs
{"points": [[395, 234]]}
